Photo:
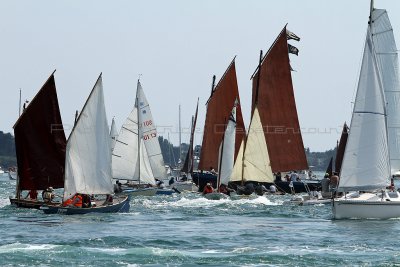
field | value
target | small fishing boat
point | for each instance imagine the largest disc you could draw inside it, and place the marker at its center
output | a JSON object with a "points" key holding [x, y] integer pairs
{"points": [[40, 146], [88, 161]]}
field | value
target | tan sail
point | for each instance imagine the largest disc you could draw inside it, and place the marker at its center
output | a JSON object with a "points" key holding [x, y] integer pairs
{"points": [[277, 108], [219, 107], [256, 164]]}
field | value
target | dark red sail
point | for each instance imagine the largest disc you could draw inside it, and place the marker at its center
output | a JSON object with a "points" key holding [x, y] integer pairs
{"points": [[40, 141], [341, 148], [219, 108], [277, 108], [188, 165]]}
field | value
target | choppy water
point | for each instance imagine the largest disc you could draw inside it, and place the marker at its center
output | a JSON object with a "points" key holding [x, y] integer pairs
{"points": [[188, 230]]}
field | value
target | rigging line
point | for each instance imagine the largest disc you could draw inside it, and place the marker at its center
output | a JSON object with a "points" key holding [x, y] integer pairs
{"points": [[388, 30], [129, 130]]}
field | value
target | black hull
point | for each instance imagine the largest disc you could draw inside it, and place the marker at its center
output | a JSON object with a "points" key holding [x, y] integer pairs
{"points": [[27, 203], [122, 206], [201, 179]]}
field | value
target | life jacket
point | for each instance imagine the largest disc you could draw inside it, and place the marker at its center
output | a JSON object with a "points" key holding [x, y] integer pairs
{"points": [[67, 202], [78, 203], [207, 190]]}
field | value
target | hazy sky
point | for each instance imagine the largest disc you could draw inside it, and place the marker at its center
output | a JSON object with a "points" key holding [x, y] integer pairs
{"points": [[177, 46]]}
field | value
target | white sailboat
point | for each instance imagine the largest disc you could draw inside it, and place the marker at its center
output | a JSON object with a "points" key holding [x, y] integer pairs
{"points": [[226, 157], [88, 158], [137, 154], [367, 159]]}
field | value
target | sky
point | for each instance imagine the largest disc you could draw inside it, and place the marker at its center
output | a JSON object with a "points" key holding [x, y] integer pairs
{"points": [[176, 46]]}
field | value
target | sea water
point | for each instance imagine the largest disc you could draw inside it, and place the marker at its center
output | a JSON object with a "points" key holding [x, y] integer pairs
{"points": [[189, 230]]}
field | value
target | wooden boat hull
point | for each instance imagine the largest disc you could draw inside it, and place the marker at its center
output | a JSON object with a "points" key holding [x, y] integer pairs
{"points": [[152, 191], [28, 203], [121, 205], [215, 196], [365, 209]]}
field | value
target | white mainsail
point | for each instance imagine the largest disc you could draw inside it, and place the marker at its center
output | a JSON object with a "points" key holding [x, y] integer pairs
{"points": [[388, 63], [227, 148], [366, 158], [113, 134], [255, 159], [88, 157], [148, 132]]}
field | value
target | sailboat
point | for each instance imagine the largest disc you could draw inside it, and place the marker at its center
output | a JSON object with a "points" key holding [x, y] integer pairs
{"points": [[188, 165], [88, 160], [137, 156], [367, 162], [40, 146], [219, 106], [274, 97], [226, 157]]}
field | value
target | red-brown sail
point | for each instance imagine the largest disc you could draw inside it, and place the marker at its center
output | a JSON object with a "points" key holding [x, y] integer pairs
{"points": [[219, 108], [40, 142], [341, 148], [277, 108]]}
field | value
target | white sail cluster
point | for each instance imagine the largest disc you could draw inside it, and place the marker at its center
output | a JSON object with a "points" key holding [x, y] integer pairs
{"points": [[137, 153]]}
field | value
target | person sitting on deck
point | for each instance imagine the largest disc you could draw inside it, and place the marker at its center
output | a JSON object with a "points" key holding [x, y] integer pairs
{"points": [[334, 182], [117, 187], [32, 194], [109, 200], [278, 177], [272, 189], [225, 189], [75, 201], [48, 195], [325, 182], [208, 189], [212, 170], [294, 176]]}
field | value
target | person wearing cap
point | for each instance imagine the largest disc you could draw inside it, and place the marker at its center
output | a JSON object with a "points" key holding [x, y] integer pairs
{"points": [[208, 189], [48, 194]]}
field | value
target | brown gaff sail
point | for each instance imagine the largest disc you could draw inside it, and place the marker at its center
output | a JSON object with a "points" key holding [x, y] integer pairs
{"points": [[277, 108], [188, 165], [341, 148], [40, 142], [219, 107]]}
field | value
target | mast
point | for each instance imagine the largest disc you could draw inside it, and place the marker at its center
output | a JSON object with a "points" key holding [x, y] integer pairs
{"points": [[19, 109], [370, 12], [180, 135], [138, 136], [258, 78]]}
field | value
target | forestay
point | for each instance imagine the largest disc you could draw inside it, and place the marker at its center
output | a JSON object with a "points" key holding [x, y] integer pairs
{"points": [[88, 157], [366, 158], [388, 63]]}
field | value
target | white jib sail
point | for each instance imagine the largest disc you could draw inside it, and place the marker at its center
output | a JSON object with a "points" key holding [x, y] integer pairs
{"points": [[113, 134], [388, 63], [88, 157], [237, 172], [148, 131], [227, 159], [366, 158]]}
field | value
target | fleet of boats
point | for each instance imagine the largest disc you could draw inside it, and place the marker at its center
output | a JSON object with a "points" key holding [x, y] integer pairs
{"points": [[109, 166]]}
